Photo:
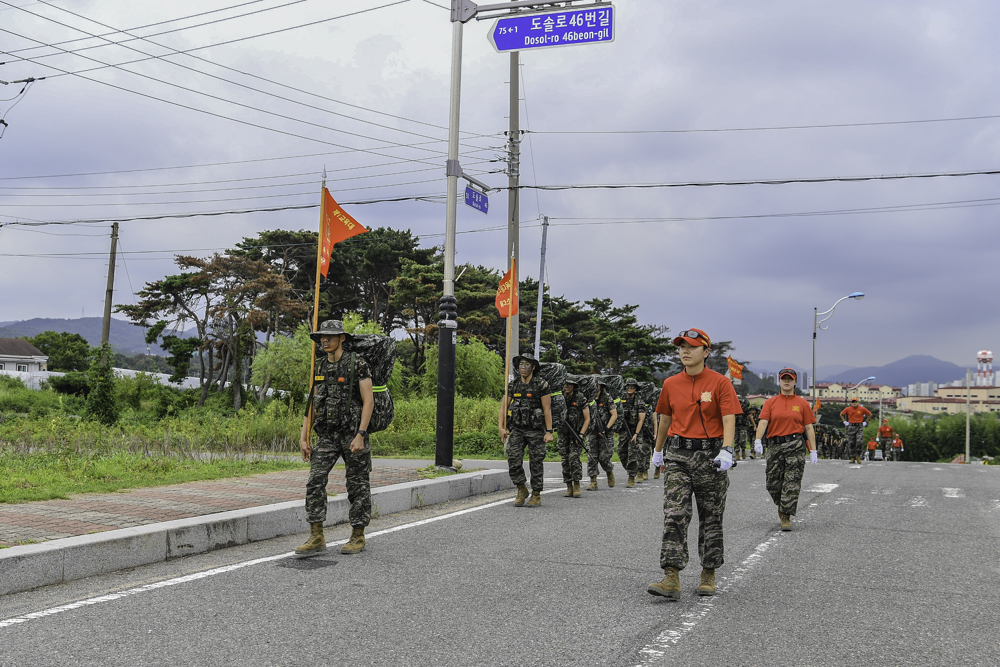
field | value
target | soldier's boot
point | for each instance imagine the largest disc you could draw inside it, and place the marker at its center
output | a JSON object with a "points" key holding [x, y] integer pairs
{"points": [[593, 484], [611, 479], [577, 492], [670, 587], [786, 521], [569, 490], [315, 545], [707, 584], [535, 500], [357, 542], [630, 484], [752, 456], [656, 473], [522, 495]]}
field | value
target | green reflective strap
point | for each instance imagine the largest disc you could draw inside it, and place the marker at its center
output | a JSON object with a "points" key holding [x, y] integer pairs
{"points": [[618, 400], [379, 389], [556, 393]]}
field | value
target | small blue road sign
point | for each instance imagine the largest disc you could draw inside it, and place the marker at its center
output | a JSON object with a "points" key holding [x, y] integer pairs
{"points": [[564, 28], [477, 199]]}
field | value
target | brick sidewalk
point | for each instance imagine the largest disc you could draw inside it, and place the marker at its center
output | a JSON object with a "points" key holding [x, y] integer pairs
{"points": [[95, 513]]}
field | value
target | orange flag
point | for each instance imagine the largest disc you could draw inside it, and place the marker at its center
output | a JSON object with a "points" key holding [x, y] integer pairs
{"points": [[335, 226], [816, 407], [735, 370], [507, 292]]}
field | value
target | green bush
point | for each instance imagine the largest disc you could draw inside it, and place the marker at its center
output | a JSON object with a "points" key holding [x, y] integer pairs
{"points": [[73, 383]]}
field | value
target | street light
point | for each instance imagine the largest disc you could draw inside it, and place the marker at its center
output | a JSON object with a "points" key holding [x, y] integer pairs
{"points": [[818, 324]]}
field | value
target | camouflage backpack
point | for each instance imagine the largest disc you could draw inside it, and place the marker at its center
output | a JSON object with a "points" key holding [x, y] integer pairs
{"points": [[615, 386], [650, 394], [380, 353], [586, 385], [555, 374]]}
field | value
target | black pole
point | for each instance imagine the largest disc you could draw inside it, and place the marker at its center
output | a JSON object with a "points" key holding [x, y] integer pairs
{"points": [[447, 335]]}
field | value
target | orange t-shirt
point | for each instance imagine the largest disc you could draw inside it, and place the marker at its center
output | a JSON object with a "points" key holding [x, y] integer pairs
{"points": [[872, 445], [885, 432], [684, 396], [856, 415], [897, 442], [786, 415]]}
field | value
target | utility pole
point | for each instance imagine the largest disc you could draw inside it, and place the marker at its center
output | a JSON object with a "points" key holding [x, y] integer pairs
{"points": [[109, 294], [541, 290], [968, 410], [513, 179]]}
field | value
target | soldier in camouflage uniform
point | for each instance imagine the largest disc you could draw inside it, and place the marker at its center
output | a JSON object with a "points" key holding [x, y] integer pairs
{"points": [[742, 430], [572, 432], [601, 441], [788, 420], [855, 418], [697, 409], [527, 405], [341, 403], [633, 412]]}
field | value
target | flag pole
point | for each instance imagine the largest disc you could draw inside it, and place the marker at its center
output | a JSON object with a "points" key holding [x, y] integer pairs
{"points": [[510, 319], [319, 261]]}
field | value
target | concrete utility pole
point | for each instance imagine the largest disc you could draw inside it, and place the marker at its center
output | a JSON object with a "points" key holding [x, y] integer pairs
{"points": [[109, 294], [968, 410], [513, 179], [541, 290]]}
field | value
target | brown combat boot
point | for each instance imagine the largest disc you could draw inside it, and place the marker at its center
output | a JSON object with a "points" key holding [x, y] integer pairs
{"points": [[630, 484], [786, 521], [569, 490], [315, 545], [577, 492], [611, 479], [593, 484], [522, 495], [707, 585], [656, 472], [535, 500], [357, 542], [670, 587]]}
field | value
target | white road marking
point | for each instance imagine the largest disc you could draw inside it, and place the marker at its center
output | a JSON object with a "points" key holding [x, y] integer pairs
{"points": [[996, 506], [952, 493], [847, 500], [654, 652], [918, 501], [822, 488], [229, 568]]}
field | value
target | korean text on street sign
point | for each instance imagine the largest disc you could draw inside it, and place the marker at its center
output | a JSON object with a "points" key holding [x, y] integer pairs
{"points": [[563, 28], [477, 200]]}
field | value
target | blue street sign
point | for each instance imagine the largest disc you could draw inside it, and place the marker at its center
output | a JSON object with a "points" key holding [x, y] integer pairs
{"points": [[477, 200], [563, 28]]}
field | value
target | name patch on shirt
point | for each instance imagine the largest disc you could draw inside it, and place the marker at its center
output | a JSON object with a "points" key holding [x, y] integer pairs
{"points": [[319, 378]]}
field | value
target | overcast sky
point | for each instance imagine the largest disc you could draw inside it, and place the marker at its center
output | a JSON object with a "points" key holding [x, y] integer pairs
{"points": [[702, 78]]}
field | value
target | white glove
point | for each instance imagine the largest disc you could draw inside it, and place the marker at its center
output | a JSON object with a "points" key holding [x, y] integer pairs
{"points": [[658, 459], [758, 446], [847, 423], [725, 460], [876, 439], [864, 424], [813, 457]]}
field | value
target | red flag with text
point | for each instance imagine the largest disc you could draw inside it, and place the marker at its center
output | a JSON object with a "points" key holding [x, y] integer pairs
{"points": [[507, 292], [735, 369], [335, 225]]}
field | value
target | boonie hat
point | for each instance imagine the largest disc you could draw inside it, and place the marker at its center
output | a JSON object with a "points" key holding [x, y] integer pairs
{"points": [[631, 382], [527, 357], [695, 337], [329, 328]]}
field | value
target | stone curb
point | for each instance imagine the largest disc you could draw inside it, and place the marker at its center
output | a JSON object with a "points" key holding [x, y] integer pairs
{"points": [[31, 566]]}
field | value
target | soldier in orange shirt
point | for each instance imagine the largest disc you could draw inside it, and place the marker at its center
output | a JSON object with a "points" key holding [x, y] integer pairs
{"points": [[897, 447], [872, 446], [855, 418], [885, 435]]}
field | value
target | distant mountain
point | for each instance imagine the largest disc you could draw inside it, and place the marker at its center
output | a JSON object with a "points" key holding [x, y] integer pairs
{"points": [[917, 368], [125, 337]]}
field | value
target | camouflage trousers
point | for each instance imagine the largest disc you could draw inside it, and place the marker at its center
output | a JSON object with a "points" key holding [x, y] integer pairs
{"points": [[691, 473], [330, 446], [569, 451], [629, 452], [645, 453], [855, 434], [895, 453], [740, 441], [599, 450], [534, 442], [785, 464]]}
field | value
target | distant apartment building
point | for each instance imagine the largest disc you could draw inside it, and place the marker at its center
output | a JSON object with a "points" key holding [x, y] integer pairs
{"points": [[951, 399], [921, 389], [866, 393]]}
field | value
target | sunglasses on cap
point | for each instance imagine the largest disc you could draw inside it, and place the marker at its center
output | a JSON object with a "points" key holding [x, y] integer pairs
{"points": [[787, 371], [691, 333]]}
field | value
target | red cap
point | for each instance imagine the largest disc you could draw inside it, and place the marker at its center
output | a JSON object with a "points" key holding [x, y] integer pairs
{"points": [[695, 337]]}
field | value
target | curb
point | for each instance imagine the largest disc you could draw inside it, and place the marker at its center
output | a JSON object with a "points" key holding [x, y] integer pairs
{"points": [[29, 566]]}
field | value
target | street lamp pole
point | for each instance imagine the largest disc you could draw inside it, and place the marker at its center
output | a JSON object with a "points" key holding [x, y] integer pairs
{"points": [[818, 325]]}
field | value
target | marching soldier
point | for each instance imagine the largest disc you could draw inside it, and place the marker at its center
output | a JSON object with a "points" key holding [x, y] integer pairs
{"points": [[697, 409], [528, 405], [629, 444], [601, 441], [855, 418], [742, 430], [788, 420], [885, 436], [341, 402], [572, 432]]}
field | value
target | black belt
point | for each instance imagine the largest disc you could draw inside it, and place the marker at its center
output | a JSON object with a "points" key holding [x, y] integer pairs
{"points": [[697, 444], [782, 439]]}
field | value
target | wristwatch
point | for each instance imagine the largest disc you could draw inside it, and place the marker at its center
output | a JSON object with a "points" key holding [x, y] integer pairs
{"points": [[362, 433], [548, 430]]}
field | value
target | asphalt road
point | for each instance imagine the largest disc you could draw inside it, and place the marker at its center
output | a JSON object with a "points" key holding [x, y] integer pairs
{"points": [[888, 564]]}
